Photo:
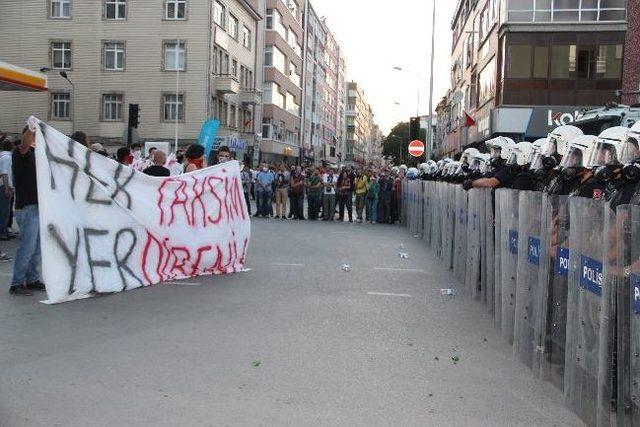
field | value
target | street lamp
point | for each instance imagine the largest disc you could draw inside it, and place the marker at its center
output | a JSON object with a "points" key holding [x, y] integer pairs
{"points": [[418, 77], [64, 75]]}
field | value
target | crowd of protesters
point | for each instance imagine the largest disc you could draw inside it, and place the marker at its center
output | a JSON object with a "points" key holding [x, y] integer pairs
{"points": [[280, 192]]}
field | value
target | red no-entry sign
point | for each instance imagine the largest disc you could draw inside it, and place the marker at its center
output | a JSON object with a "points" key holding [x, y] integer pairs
{"points": [[416, 148]]}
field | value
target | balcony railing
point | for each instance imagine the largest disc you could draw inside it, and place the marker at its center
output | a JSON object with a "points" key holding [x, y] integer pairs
{"points": [[250, 96], [226, 83]]}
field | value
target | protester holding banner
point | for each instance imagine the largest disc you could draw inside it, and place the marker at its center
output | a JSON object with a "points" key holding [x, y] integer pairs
{"points": [[26, 276]]}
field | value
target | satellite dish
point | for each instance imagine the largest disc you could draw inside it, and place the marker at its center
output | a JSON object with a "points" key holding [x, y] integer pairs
{"points": [[458, 96]]}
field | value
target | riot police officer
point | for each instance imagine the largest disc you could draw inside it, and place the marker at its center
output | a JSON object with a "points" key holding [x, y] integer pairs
{"points": [[501, 174], [628, 191]]}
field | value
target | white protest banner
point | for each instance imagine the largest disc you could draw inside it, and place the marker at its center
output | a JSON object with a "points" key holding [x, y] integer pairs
{"points": [[105, 227]]}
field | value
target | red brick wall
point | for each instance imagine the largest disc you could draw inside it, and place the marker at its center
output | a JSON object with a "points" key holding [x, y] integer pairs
{"points": [[631, 68]]}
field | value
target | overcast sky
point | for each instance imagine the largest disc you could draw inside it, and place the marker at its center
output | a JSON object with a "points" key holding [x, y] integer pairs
{"points": [[376, 36]]}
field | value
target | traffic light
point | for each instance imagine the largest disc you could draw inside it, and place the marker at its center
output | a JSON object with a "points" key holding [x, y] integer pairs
{"points": [[134, 115], [414, 128]]}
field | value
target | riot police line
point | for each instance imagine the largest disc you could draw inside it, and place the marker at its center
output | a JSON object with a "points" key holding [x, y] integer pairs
{"points": [[547, 236]]}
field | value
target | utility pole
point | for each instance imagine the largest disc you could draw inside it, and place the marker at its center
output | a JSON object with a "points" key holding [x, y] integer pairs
{"points": [[430, 125]]}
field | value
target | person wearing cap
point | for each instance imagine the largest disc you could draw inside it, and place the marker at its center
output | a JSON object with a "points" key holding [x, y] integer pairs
{"points": [[195, 158]]}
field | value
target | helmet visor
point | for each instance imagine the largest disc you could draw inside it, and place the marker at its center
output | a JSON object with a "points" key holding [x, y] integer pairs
{"points": [[630, 150], [604, 154], [573, 158], [550, 147]]}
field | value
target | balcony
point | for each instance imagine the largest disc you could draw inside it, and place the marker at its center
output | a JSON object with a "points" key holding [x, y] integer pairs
{"points": [[250, 97], [226, 83]]}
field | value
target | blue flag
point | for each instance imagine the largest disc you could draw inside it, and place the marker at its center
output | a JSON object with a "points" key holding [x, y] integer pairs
{"points": [[208, 135]]}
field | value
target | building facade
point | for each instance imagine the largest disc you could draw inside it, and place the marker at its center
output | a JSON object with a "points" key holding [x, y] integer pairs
{"points": [[631, 67], [282, 81], [520, 68], [181, 61], [360, 125], [323, 118]]}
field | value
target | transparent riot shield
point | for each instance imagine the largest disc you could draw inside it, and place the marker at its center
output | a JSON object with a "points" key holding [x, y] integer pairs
{"points": [[525, 341], [436, 222], [497, 270], [474, 224], [426, 214], [509, 203], [551, 324], [628, 252], [460, 234], [403, 202], [587, 291], [420, 212], [488, 250], [449, 218]]}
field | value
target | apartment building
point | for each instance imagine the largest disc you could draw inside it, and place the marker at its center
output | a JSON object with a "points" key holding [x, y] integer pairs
{"points": [[322, 105], [520, 68], [360, 125], [282, 81], [181, 61], [631, 66]]}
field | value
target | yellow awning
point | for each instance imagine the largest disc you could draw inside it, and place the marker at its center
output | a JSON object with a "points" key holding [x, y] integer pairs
{"points": [[21, 79]]}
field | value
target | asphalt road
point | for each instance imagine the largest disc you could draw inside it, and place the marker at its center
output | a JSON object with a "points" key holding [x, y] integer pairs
{"points": [[295, 341]]}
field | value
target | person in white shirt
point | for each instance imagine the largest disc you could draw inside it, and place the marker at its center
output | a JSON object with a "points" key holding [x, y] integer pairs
{"points": [[329, 180], [6, 193]]}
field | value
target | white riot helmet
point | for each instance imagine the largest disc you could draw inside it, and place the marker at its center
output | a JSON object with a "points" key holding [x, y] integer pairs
{"points": [[607, 152], [521, 154], [465, 159], [537, 165], [412, 173], [630, 156], [577, 156], [484, 160], [432, 167], [500, 148], [403, 168], [395, 170], [557, 143]]}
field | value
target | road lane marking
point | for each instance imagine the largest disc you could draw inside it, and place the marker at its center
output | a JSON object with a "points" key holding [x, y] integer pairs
{"points": [[388, 294], [408, 270], [281, 264]]}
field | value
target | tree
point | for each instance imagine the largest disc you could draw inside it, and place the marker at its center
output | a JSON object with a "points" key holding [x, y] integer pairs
{"points": [[396, 144]]}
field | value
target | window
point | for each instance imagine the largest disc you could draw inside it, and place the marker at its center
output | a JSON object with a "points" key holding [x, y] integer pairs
{"points": [[271, 95], [246, 37], [174, 56], [114, 56], [563, 61], [294, 75], [175, 9], [61, 55], [540, 62], [609, 64], [60, 9], [519, 62], [487, 82], [221, 112], [233, 26], [234, 68], [292, 106], [566, 10], [273, 57], [172, 107], [112, 107], [115, 9], [218, 13], [232, 117], [60, 106]]}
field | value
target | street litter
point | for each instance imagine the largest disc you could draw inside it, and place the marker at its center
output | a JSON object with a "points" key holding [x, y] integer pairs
{"points": [[346, 267], [450, 292], [403, 255], [455, 359], [256, 363]]}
